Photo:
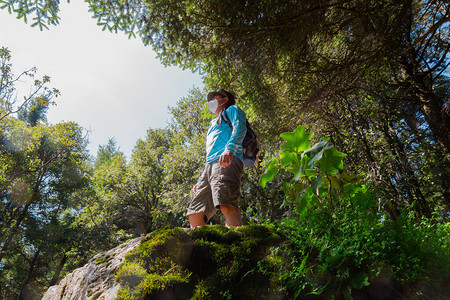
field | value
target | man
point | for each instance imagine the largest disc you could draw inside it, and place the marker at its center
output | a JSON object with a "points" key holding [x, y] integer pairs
{"points": [[218, 187]]}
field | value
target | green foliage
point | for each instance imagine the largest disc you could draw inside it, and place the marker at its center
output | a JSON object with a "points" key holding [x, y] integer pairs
{"points": [[286, 59], [43, 166], [42, 13], [211, 262], [315, 171], [340, 244], [360, 252], [34, 111], [152, 189], [34, 106], [106, 152]]}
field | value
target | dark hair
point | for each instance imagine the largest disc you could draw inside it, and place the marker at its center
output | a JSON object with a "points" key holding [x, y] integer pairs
{"points": [[230, 97]]}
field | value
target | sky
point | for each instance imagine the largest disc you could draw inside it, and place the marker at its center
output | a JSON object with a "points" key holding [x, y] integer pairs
{"points": [[110, 85]]}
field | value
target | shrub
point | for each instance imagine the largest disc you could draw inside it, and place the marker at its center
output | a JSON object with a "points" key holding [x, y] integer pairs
{"points": [[339, 243]]}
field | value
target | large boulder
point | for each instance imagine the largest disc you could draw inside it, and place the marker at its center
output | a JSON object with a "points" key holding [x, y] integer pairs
{"points": [[95, 280], [210, 262]]}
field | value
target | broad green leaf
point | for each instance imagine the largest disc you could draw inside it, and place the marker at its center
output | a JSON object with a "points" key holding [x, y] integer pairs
{"points": [[291, 140], [335, 182], [310, 172], [315, 153], [294, 169], [287, 157], [347, 177], [297, 140], [272, 169], [303, 201], [303, 138], [298, 171], [332, 162]]}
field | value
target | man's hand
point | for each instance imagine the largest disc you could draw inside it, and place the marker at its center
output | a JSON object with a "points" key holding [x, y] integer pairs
{"points": [[225, 159]]}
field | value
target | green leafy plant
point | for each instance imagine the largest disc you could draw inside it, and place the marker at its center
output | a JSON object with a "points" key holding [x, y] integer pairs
{"points": [[339, 243], [315, 170]]}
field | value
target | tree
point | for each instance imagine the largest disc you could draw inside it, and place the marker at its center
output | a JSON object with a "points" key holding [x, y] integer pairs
{"points": [[303, 60], [42, 13], [106, 152], [34, 111], [287, 59], [42, 166], [33, 105], [127, 197], [183, 162], [267, 43]]}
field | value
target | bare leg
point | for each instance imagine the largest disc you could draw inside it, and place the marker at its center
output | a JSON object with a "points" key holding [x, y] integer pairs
{"points": [[197, 219], [232, 215]]}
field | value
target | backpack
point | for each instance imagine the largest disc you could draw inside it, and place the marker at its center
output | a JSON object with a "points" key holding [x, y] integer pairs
{"points": [[250, 144]]}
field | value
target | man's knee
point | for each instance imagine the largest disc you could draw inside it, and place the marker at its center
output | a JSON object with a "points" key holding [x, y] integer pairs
{"points": [[227, 209], [197, 219]]}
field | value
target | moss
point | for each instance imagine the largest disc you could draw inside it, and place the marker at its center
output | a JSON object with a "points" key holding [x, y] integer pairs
{"points": [[89, 293], [202, 290], [154, 283], [96, 295], [130, 274], [216, 233], [210, 262], [105, 259], [155, 265], [63, 291], [272, 265]]}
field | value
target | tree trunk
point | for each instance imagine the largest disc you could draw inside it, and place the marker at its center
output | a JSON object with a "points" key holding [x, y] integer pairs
{"points": [[407, 173], [33, 262], [58, 270], [438, 119], [12, 232], [418, 94]]}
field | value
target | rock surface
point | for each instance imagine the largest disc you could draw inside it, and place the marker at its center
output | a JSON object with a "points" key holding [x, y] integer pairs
{"points": [[210, 262], [95, 280]]}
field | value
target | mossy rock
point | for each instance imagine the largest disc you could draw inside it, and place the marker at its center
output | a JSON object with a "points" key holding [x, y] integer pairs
{"points": [[210, 262]]}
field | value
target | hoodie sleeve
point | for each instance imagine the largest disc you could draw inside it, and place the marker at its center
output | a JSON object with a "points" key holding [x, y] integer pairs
{"points": [[238, 120]]}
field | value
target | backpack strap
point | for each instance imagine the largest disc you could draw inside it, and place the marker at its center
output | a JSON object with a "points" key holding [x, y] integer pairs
{"points": [[224, 116]]}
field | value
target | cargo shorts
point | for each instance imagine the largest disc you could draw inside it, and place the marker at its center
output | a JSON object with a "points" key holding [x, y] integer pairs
{"points": [[217, 186]]}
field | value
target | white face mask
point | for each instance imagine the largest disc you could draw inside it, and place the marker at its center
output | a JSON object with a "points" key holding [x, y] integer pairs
{"points": [[213, 105]]}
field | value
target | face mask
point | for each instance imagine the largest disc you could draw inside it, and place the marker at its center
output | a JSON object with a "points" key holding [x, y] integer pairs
{"points": [[213, 105]]}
